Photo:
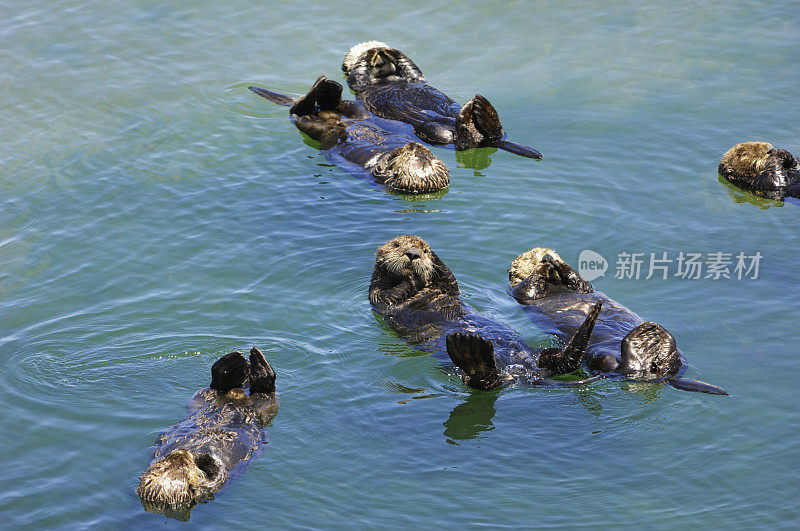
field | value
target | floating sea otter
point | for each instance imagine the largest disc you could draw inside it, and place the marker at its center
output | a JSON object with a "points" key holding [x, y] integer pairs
{"points": [[342, 128], [219, 438], [393, 87], [622, 343], [761, 169], [418, 296]]}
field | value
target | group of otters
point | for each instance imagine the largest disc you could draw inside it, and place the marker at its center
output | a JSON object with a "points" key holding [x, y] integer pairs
{"points": [[415, 292]]}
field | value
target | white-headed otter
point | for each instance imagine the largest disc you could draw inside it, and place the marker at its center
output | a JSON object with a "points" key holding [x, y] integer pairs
{"points": [[393, 87], [343, 128], [761, 169], [418, 296], [559, 300], [222, 434]]}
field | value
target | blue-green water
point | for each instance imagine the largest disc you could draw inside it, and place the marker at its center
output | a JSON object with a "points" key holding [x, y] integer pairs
{"points": [[154, 214]]}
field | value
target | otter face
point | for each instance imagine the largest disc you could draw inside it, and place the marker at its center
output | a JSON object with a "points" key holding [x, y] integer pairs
{"points": [[525, 264], [649, 353], [413, 169], [760, 167], [406, 255], [377, 63], [357, 51], [180, 478]]}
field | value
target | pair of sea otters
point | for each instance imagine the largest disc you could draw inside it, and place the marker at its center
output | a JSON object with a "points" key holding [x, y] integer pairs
{"points": [[391, 87], [418, 296]]}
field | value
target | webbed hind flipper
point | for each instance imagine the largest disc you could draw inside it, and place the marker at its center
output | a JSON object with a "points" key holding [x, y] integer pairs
{"points": [[262, 375], [485, 118], [325, 95], [475, 356], [569, 358], [478, 125], [687, 384], [229, 372]]}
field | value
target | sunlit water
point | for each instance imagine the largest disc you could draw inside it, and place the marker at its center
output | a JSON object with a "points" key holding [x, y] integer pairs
{"points": [[155, 214]]}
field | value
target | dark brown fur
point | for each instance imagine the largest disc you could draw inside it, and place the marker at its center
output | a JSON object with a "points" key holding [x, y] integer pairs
{"points": [[761, 169]]}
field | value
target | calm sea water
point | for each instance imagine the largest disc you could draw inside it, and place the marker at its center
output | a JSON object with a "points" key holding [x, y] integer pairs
{"points": [[154, 214]]}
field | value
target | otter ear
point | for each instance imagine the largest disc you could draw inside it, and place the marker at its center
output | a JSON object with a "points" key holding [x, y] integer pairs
{"points": [[262, 375]]}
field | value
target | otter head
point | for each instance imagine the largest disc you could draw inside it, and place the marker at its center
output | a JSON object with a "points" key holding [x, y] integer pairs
{"points": [[527, 263], [412, 169], [405, 266], [375, 63], [762, 168], [649, 352], [180, 478], [406, 256], [536, 273]]}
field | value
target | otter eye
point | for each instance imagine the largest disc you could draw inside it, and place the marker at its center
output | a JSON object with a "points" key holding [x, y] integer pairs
{"points": [[654, 367]]}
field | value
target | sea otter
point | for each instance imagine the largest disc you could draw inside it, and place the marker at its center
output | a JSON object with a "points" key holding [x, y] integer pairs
{"points": [[393, 87], [222, 434], [761, 169], [343, 129], [622, 344], [418, 296]]}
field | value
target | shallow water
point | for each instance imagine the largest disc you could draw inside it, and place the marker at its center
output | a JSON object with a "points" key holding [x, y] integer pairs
{"points": [[155, 214]]}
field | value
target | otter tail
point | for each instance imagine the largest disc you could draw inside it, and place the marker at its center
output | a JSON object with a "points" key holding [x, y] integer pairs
{"points": [[475, 356], [478, 125], [274, 97], [518, 149], [325, 95], [687, 384], [570, 357]]}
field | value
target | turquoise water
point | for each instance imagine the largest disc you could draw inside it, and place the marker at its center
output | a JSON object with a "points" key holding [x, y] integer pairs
{"points": [[154, 214]]}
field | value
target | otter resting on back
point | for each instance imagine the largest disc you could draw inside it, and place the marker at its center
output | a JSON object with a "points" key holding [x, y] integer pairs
{"points": [[393, 87], [418, 296], [558, 299], [221, 436], [761, 169], [343, 129]]}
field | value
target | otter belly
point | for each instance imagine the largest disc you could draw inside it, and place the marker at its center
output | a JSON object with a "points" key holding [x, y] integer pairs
{"points": [[562, 313], [428, 330], [411, 103]]}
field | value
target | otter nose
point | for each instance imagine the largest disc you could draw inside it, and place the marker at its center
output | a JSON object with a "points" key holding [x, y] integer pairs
{"points": [[413, 253]]}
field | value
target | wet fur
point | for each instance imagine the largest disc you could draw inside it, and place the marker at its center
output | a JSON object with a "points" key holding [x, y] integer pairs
{"points": [[344, 127], [761, 169], [223, 433], [418, 296], [623, 344], [393, 87]]}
